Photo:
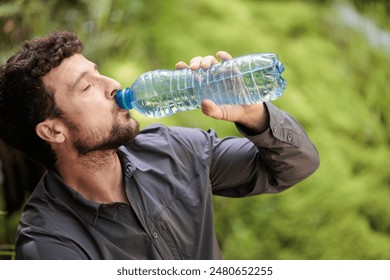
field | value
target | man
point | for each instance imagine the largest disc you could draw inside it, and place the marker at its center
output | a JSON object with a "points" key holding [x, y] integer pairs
{"points": [[112, 192]]}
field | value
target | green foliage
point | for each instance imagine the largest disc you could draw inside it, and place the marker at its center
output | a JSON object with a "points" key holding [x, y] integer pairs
{"points": [[337, 88]]}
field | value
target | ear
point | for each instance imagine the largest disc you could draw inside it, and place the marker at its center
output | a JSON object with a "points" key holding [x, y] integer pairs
{"points": [[51, 131]]}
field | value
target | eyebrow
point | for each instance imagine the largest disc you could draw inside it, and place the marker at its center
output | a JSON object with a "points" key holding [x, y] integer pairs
{"points": [[81, 75]]}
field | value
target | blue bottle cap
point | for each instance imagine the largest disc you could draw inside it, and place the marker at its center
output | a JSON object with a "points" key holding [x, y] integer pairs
{"points": [[124, 97]]}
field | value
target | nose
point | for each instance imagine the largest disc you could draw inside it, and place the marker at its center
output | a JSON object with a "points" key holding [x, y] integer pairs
{"points": [[112, 86]]}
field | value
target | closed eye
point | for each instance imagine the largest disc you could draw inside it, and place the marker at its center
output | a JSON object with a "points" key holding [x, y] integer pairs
{"points": [[87, 87]]}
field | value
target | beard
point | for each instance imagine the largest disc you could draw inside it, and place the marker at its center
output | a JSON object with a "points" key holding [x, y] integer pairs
{"points": [[117, 137], [95, 140]]}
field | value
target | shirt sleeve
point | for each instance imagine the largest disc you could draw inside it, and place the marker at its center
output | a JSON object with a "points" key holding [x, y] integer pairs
{"points": [[44, 247], [269, 162]]}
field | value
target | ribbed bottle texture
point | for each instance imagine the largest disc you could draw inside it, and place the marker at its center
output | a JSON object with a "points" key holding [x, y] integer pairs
{"points": [[243, 80]]}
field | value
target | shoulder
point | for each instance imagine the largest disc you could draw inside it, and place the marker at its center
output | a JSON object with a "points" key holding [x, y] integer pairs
{"points": [[183, 142], [183, 135], [159, 135], [47, 214]]}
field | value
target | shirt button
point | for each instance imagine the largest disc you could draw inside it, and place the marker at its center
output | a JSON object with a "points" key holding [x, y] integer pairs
{"points": [[120, 207], [155, 235], [128, 170]]}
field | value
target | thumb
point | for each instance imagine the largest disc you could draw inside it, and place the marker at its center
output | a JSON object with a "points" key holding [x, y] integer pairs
{"points": [[209, 108]]}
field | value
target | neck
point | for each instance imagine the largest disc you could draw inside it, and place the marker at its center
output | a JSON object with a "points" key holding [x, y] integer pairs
{"points": [[96, 176]]}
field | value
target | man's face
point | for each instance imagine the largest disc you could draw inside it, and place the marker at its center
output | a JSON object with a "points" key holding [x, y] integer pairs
{"points": [[87, 99]]}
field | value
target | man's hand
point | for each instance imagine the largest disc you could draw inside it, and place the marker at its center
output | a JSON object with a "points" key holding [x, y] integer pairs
{"points": [[254, 117]]}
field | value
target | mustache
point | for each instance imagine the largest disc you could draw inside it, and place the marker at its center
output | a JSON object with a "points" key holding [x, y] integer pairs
{"points": [[116, 109]]}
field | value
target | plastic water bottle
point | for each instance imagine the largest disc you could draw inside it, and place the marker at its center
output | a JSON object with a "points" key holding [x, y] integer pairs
{"points": [[246, 80]]}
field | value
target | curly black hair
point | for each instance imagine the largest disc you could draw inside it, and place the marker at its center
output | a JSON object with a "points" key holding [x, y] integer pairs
{"points": [[24, 99]]}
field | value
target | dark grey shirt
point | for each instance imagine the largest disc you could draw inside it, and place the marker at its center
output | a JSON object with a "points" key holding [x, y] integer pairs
{"points": [[170, 176]]}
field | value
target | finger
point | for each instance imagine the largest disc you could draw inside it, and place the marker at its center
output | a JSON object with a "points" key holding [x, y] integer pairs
{"points": [[181, 65], [195, 62], [208, 61], [222, 55]]}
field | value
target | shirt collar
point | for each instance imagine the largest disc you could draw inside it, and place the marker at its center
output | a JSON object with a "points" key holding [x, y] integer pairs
{"points": [[88, 209]]}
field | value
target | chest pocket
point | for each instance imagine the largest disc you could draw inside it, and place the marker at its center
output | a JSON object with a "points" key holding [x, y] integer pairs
{"points": [[176, 211]]}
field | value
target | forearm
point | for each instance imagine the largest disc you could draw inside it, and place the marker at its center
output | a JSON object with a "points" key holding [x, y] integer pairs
{"points": [[285, 149], [269, 162]]}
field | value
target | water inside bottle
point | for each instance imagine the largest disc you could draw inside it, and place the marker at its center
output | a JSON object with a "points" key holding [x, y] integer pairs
{"points": [[168, 103]]}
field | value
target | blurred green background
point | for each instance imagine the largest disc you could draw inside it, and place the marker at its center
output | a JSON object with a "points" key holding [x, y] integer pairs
{"points": [[336, 55]]}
